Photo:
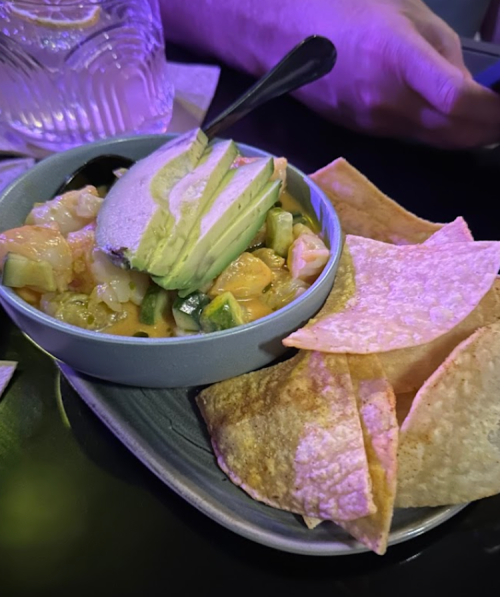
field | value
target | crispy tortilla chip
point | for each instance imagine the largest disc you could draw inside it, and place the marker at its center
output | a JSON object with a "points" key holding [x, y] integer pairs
{"points": [[403, 405], [376, 403], [449, 450], [387, 297], [408, 368], [454, 232], [7, 369], [312, 523], [291, 437], [364, 210], [377, 408]]}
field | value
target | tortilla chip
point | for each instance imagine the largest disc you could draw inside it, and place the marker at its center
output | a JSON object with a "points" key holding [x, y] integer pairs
{"points": [[403, 405], [454, 232], [290, 436], [449, 450], [408, 368], [387, 297], [312, 523], [365, 211], [7, 369], [376, 403], [377, 406]]}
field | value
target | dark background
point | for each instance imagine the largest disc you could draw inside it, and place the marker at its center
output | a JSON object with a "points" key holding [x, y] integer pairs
{"points": [[79, 514]]}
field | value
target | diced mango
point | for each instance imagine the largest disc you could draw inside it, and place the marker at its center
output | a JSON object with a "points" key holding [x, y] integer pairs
{"points": [[270, 258], [245, 277]]}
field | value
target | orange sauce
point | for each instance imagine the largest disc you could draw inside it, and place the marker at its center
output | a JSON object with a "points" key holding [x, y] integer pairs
{"points": [[254, 309], [130, 325]]}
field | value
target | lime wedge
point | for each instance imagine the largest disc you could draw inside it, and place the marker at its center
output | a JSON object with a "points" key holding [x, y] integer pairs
{"points": [[60, 16]]}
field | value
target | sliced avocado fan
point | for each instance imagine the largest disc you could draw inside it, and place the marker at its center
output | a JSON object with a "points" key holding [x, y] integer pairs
{"points": [[235, 240], [135, 214], [187, 201], [240, 191]]}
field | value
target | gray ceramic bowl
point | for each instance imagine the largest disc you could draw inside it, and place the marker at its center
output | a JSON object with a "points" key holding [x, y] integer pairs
{"points": [[163, 362]]}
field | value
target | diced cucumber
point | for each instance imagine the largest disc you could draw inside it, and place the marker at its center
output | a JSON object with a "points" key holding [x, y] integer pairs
{"points": [[154, 305], [222, 313], [279, 226], [187, 310], [19, 271]]}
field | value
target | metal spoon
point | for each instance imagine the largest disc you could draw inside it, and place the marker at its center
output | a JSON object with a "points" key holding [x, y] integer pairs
{"points": [[311, 59]]}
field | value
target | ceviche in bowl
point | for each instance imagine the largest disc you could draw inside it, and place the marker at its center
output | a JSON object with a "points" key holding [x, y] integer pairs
{"points": [[190, 268]]}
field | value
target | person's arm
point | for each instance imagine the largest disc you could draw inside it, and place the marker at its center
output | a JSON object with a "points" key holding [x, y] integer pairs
{"points": [[399, 72]]}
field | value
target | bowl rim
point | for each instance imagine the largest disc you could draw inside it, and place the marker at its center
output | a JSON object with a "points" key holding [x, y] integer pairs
{"points": [[19, 304]]}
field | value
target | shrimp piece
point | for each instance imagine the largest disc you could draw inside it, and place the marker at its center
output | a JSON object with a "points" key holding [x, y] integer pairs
{"points": [[105, 293], [280, 166], [40, 243], [69, 212], [307, 257], [92, 268], [138, 286], [82, 244], [125, 284]]}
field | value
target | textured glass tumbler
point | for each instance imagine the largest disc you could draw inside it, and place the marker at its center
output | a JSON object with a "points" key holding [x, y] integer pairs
{"points": [[73, 71]]}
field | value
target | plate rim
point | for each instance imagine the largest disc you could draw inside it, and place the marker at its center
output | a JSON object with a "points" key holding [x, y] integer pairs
{"points": [[232, 521]]}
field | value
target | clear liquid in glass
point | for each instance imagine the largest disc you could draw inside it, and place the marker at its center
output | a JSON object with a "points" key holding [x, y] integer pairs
{"points": [[74, 72]]}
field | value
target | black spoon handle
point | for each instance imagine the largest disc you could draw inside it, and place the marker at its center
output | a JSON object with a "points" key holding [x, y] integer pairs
{"points": [[308, 61], [312, 58]]}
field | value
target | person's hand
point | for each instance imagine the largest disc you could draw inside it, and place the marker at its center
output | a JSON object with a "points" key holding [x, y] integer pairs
{"points": [[400, 72]]}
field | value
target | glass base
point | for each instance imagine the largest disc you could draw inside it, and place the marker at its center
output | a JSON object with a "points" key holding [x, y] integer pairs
{"points": [[61, 141]]}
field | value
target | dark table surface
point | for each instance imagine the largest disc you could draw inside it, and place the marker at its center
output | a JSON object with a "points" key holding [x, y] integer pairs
{"points": [[80, 515]]}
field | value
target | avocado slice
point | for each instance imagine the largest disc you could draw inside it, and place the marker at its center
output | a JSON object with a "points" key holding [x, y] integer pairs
{"points": [[135, 214], [187, 200], [237, 191], [19, 272], [222, 313], [235, 239]]}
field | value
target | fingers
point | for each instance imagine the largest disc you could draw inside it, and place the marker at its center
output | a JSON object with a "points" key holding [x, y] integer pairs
{"points": [[444, 86], [412, 117], [454, 133], [444, 39]]}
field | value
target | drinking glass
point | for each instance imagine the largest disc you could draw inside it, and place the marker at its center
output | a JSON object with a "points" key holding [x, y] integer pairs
{"points": [[74, 71]]}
